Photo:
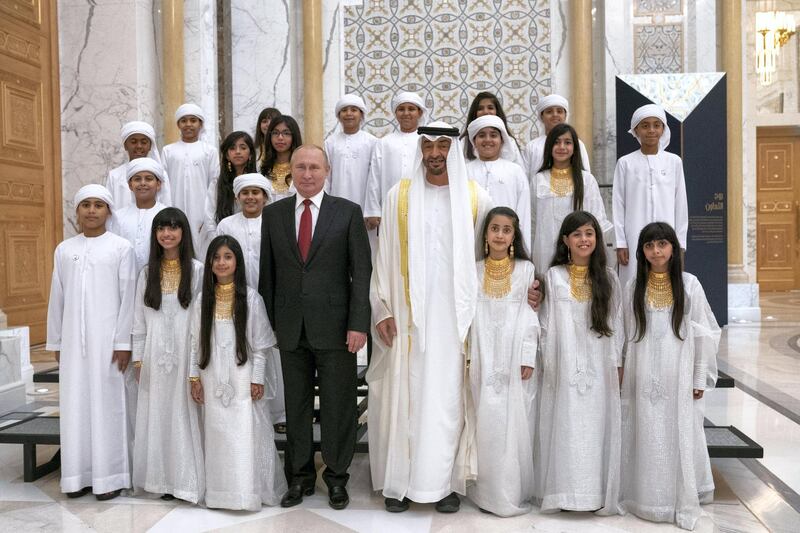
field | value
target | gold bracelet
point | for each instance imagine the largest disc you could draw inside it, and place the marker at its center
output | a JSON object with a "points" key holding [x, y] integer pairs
{"points": [[194, 379], [137, 364]]}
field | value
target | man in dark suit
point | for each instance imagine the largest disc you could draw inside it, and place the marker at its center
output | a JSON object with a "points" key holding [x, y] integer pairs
{"points": [[315, 273]]}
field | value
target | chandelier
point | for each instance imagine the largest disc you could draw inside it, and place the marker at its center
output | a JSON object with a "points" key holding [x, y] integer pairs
{"points": [[773, 29]]}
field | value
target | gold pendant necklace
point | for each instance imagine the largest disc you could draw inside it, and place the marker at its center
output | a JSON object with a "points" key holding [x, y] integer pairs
{"points": [[561, 181], [659, 290], [170, 275], [580, 286], [223, 301], [497, 276], [278, 177]]}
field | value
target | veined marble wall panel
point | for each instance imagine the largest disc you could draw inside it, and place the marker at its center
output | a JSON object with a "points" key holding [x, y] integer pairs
{"points": [[261, 59], [560, 47], [200, 69], [332, 60], [109, 76], [448, 52]]}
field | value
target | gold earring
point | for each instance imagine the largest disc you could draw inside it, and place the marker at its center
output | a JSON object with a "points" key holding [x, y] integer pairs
{"points": [[485, 246], [569, 256], [229, 166], [511, 252]]}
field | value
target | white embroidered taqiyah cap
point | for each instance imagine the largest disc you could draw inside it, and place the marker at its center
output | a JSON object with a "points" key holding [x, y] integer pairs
{"points": [[648, 111], [407, 97], [351, 100], [93, 190], [493, 121], [253, 179], [143, 128], [144, 164], [551, 100]]}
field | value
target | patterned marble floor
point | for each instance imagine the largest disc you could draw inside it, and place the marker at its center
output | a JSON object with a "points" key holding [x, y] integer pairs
{"points": [[764, 358]]}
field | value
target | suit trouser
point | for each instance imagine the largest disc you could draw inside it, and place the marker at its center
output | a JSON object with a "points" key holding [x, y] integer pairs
{"points": [[336, 372]]}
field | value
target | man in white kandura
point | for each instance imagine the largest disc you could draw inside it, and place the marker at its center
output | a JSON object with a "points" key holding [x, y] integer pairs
{"points": [[393, 155], [89, 320], [423, 296]]}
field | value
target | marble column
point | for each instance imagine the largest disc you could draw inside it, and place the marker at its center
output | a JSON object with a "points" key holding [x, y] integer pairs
{"points": [[109, 73], [312, 72], [200, 63], [172, 81], [732, 64], [581, 74]]}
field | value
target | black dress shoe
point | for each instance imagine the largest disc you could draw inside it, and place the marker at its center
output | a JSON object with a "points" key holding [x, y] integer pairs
{"points": [[295, 495], [79, 493], [108, 495], [337, 497], [167, 497], [449, 504], [393, 505]]}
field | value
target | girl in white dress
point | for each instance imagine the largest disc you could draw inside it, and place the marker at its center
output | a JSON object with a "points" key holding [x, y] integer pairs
{"points": [[558, 189], [231, 337], [167, 452], [237, 157], [578, 446], [283, 138], [670, 360], [260, 133], [503, 340]]}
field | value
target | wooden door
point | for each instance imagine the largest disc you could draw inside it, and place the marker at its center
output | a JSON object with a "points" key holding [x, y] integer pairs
{"points": [[778, 218], [30, 160]]}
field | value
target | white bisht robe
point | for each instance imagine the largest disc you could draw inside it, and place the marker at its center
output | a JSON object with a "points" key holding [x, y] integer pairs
{"points": [[191, 168], [577, 454], [392, 159], [549, 212], [647, 188], [247, 231], [243, 469], [167, 452], [89, 316], [117, 184], [665, 466], [507, 185], [504, 336], [416, 387], [134, 225], [534, 157]]}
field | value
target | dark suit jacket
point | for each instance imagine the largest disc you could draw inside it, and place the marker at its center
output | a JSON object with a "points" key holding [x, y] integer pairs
{"points": [[329, 293]]}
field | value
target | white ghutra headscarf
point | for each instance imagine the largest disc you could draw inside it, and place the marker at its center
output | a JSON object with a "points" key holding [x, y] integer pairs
{"points": [[465, 284]]}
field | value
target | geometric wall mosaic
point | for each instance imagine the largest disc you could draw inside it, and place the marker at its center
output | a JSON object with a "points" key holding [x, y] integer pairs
{"points": [[448, 51]]}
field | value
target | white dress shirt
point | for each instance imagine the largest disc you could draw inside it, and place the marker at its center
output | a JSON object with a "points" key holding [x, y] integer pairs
{"points": [[316, 202]]}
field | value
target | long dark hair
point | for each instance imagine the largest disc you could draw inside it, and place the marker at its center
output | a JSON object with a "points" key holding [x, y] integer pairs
{"points": [[271, 156], [656, 231], [575, 162], [472, 114], [225, 197], [519, 244], [209, 301], [268, 113], [171, 217], [598, 275]]}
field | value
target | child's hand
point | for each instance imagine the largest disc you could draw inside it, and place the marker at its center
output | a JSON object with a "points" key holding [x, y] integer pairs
{"points": [[527, 372], [137, 373], [256, 391], [697, 393], [122, 358], [622, 256], [197, 392]]}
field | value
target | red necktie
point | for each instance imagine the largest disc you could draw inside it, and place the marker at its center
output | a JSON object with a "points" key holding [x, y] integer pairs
{"points": [[304, 236]]}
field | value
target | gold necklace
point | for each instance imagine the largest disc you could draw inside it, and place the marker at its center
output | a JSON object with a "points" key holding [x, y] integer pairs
{"points": [[497, 276], [580, 286], [278, 176], [561, 181], [223, 300], [659, 290], [170, 275]]}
